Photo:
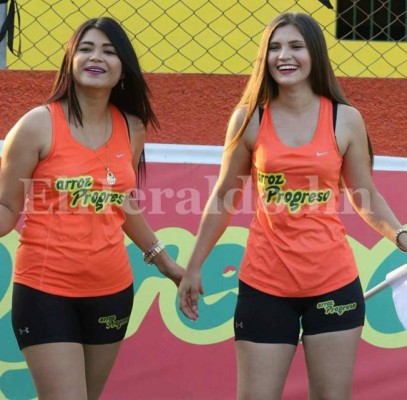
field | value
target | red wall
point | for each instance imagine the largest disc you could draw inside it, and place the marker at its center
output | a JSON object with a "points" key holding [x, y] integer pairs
{"points": [[194, 108]]}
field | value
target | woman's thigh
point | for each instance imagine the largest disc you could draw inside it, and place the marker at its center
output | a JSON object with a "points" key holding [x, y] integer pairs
{"points": [[58, 370], [262, 369], [332, 328], [330, 359], [266, 333], [99, 361]]}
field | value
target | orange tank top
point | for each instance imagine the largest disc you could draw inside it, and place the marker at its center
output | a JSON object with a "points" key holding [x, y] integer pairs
{"points": [[297, 245], [72, 242]]}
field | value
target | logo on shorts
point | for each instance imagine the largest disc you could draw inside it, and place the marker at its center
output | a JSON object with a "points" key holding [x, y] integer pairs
{"points": [[239, 325], [330, 307], [24, 331], [111, 321]]}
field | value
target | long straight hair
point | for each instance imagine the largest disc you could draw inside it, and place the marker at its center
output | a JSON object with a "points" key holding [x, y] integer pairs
{"points": [[261, 88], [131, 95]]}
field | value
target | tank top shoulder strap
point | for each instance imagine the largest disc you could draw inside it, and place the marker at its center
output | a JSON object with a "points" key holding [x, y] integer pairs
{"points": [[265, 127], [57, 113], [261, 111], [60, 127], [59, 122], [334, 113]]}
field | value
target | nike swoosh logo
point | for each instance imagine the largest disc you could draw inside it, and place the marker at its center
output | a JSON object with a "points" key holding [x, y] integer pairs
{"points": [[321, 153], [119, 155]]}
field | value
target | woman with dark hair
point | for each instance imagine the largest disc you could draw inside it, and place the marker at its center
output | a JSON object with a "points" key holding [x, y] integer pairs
{"points": [[73, 164], [297, 136]]}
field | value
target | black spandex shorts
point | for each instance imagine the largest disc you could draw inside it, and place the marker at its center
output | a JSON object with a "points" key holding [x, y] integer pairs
{"points": [[40, 317], [264, 318]]}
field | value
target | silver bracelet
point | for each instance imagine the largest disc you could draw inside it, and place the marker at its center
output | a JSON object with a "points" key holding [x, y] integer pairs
{"points": [[397, 239], [153, 252]]}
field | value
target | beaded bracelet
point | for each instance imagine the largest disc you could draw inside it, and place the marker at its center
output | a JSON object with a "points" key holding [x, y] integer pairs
{"points": [[397, 239], [153, 252]]}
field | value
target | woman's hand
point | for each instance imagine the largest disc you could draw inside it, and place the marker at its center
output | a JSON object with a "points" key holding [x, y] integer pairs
{"points": [[189, 290]]}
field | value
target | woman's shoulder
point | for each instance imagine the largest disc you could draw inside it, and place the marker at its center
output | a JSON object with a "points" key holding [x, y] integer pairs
{"points": [[137, 131], [239, 114], [35, 120], [350, 127], [134, 121], [237, 120], [39, 113], [349, 116], [32, 131]]}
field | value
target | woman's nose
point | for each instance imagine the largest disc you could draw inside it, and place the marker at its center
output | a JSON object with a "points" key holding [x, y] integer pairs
{"points": [[95, 56], [284, 53]]}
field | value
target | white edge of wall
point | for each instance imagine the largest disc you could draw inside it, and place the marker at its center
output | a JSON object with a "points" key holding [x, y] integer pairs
{"points": [[203, 154]]}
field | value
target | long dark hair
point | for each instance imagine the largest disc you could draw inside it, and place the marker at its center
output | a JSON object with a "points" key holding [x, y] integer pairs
{"points": [[131, 95], [262, 88]]}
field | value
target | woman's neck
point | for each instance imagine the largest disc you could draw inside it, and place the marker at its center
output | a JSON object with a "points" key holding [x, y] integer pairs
{"points": [[295, 98], [94, 105]]}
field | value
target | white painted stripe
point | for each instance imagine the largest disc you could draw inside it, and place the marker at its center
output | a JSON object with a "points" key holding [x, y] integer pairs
{"points": [[384, 163], [202, 154], [183, 153]]}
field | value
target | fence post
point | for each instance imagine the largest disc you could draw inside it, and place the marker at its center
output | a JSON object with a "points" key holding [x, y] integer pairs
{"points": [[3, 44]]}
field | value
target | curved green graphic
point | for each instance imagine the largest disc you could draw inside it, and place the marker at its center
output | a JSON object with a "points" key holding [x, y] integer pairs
{"points": [[219, 278], [15, 379], [382, 326]]}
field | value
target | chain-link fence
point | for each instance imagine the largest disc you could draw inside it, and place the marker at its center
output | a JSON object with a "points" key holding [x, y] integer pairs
{"points": [[366, 38]]}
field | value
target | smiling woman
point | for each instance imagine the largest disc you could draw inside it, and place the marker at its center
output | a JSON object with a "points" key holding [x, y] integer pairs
{"points": [[78, 159], [295, 134], [96, 63], [288, 58]]}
